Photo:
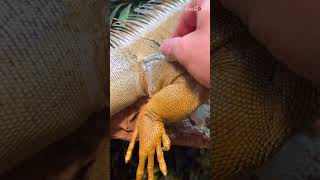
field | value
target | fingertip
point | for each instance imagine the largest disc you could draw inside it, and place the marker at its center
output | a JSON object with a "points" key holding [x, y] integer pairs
{"points": [[172, 47], [167, 47]]}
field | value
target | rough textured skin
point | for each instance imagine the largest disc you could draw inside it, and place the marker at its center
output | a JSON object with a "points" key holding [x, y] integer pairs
{"points": [[257, 103], [192, 132], [174, 95], [52, 72]]}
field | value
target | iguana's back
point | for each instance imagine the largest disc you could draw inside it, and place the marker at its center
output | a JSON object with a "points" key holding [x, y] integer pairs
{"points": [[130, 46]]}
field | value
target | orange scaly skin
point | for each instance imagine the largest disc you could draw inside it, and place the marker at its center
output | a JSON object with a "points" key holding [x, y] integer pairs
{"points": [[173, 102], [151, 131]]}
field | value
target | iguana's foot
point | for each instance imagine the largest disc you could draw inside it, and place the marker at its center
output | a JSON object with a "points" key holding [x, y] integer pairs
{"points": [[151, 132]]}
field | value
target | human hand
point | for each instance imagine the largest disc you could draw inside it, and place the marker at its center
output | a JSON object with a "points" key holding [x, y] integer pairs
{"points": [[190, 42], [151, 132], [290, 30]]}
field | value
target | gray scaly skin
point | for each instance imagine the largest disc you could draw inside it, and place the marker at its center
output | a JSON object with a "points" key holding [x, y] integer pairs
{"points": [[52, 70], [257, 102]]}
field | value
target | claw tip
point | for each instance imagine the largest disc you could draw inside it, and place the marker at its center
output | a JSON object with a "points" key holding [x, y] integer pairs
{"points": [[165, 148], [165, 173]]}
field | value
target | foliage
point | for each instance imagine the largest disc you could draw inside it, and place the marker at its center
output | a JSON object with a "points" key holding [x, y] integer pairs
{"points": [[121, 9]]}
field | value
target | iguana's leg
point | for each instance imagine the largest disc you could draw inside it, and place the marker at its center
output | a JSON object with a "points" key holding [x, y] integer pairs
{"points": [[172, 103]]}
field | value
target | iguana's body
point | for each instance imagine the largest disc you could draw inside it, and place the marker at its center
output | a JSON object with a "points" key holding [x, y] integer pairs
{"points": [[138, 69], [52, 72], [173, 93], [257, 102]]}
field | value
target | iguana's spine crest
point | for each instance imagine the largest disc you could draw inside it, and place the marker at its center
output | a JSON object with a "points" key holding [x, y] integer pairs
{"points": [[148, 17]]}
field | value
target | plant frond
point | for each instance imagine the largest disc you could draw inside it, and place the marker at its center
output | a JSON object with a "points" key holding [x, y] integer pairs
{"points": [[148, 16]]}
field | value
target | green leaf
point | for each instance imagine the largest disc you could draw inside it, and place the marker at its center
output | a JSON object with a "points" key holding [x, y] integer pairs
{"points": [[113, 13], [125, 13]]}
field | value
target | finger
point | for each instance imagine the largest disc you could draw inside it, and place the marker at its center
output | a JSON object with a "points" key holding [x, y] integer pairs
{"points": [[131, 145], [184, 49], [175, 48], [162, 163], [151, 165], [186, 24], [188, 19], [140, 170], [166, 142]]}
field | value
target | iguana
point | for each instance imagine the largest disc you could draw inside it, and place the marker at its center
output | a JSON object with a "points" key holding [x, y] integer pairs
{"points": [[257, 103], [139, 69], [53, 72]]}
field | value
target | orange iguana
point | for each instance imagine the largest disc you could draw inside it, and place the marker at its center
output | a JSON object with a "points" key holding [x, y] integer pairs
{"points": [[138, 69]]}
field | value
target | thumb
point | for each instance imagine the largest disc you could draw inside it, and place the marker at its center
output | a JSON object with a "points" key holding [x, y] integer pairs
{"points": [[174, 48]]}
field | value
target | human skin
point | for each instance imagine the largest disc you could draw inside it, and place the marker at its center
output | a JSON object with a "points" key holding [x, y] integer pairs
{"points": [[190, 42], [289, 29]]}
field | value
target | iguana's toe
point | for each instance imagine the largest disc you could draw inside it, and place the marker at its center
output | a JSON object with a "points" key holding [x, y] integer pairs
{"points": [[151, 166], [131, 145], [162, 163], [140, 170]]}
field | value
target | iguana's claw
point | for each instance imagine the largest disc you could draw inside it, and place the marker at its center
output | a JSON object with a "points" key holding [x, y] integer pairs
{"points": [[151, 132], [162, 163], [166, 142]]}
